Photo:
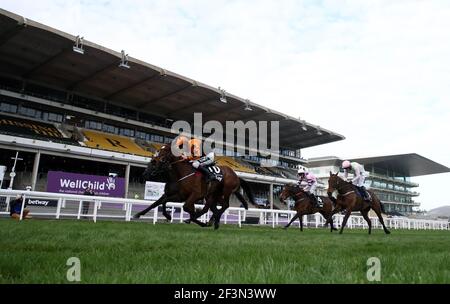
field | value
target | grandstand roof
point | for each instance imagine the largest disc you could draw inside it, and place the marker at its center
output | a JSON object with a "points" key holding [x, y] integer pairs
{"points": [[411, 164], [38, 53]]}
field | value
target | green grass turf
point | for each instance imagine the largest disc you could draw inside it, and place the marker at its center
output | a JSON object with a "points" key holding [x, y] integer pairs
{"points": [[36, 251]]}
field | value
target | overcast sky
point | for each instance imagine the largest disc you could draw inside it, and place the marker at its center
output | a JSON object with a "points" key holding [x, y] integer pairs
{"points": [[377, 72]]}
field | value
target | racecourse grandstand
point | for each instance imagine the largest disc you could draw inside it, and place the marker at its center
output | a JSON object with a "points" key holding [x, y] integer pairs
{"points": [[70, 105]]}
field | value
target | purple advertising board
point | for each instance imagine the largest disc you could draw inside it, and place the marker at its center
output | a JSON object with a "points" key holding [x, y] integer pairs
{"points": [[74, 183]]}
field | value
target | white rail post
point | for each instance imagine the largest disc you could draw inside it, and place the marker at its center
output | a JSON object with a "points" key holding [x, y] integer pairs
{"points": [[79, 210], [7, 203], [95, 211], [273, 219], [23, 206], [226, 216], [171, 214], [155, 215], [128, 207], [58, 208], [181, 214], [239, 218]]}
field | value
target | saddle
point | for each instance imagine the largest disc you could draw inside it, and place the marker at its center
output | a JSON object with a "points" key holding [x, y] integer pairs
{"points": [[362, 193]]}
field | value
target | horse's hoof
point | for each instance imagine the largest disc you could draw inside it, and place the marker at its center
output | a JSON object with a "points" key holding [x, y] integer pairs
{"points": [[136, 217], [187, 221], [387, 232], [285, 227]]}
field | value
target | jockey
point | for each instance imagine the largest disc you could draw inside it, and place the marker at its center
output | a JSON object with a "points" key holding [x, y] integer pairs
{"points": [[308, 182], [195, 156], [359, 178]]}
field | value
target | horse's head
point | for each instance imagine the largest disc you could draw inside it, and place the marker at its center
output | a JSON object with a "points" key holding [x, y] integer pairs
{"points": [[334, 183], [289, 190], [159, 164]]}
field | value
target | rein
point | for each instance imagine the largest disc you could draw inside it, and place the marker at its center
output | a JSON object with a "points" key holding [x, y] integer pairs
{"points": [[177, 161], [189, 175]]}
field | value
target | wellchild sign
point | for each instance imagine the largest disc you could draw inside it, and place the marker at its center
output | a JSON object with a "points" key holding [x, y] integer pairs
{"points": [[74, 183]]}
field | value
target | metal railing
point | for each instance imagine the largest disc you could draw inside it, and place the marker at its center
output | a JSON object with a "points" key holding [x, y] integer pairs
{"points": [[71, 206]]}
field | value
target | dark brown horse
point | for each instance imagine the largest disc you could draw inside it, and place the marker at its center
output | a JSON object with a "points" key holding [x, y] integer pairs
{"points": [[185, 184], [349, 201], [304, 205]]}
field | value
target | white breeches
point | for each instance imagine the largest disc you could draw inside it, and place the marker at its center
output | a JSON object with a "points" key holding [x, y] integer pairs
{"points": [[310, 188], [359, 181]]}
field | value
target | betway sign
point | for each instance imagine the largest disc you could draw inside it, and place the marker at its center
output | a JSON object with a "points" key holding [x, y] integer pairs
{"points": [[74, 183]]}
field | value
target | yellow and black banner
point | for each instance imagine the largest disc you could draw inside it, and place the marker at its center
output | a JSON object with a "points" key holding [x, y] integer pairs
{"points": [[22, 127]]}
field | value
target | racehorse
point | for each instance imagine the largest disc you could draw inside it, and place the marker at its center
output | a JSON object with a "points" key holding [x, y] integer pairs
{"points": [[185, 184], [304, 205], [349, 201]]}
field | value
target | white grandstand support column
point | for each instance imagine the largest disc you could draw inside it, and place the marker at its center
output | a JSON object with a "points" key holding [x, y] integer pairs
{"points": [[34, 174], [127, 179], [271, 196]]}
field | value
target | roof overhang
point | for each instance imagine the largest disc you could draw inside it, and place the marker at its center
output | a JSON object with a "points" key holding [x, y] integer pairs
{"points": [[40, 54], [411, 164]]}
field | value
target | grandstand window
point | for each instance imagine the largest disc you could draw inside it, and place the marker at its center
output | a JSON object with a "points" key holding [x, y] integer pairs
{"points": [[30, 112], [126, 132], [54, 117], [157, 138], [110, 129], [167, 140], [89, 124], [7, 107], [142, 135]]}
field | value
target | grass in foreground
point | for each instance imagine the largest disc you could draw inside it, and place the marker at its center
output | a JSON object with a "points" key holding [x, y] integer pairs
{"points": [[36, 251]]}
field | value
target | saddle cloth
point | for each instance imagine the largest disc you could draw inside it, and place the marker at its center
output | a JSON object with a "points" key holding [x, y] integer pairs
{"points": [[217, 172], [319, 201]]}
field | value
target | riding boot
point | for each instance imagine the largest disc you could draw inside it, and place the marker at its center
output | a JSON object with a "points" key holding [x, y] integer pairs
{"points": [[366, 195], [314, 200], [208, 175]]}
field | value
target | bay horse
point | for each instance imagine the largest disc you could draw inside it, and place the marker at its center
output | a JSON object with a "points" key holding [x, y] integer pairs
{"points": [[304, 205], [185, 184], [349, 201]]}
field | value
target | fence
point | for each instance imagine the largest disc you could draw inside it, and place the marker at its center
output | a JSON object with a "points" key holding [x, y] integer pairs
{"points": [[74, 206]]}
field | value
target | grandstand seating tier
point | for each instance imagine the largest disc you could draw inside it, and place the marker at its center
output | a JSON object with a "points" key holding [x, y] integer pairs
{"points": [[114, 143]]}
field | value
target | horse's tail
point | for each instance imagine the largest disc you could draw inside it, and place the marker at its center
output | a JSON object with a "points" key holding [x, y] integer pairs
{"points": [[382, 207], [247, 190], [241, 199], [376, 199]]}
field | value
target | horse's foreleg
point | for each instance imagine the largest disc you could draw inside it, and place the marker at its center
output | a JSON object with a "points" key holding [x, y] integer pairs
{"points": [[218, 214], [366, 217], [344, 222], [160, 201], [291, 221], [189, 207]]}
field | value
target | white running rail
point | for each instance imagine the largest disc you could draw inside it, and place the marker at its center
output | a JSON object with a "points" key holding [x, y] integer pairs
{"points": [[71, 206]]}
